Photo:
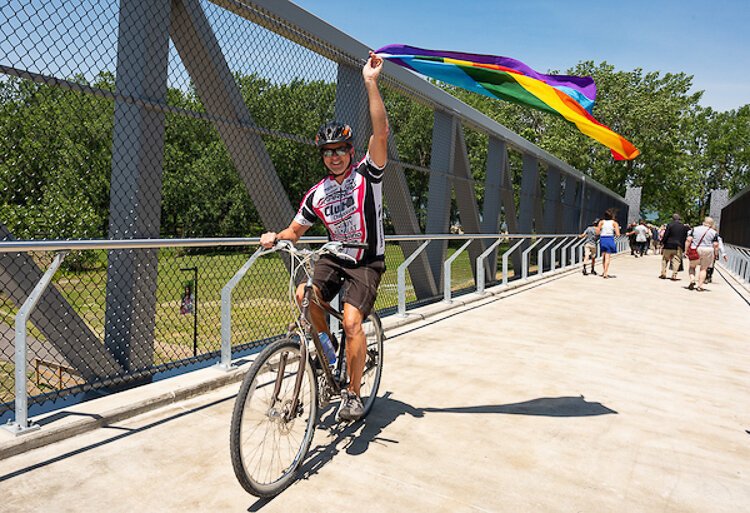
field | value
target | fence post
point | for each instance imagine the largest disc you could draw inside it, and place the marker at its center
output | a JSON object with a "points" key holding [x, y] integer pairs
{"points": [[505, 259], [540, 255], [447, 271], [480, 264], [225, 363], [21, 424], [525, 259], [401, 278]]}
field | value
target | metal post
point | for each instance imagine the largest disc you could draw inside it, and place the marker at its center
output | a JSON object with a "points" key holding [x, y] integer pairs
{"points": [[447, 271], [563, 257], [553, 262], [21, 424], [480, 264], [401, 278], [226, 313], [505, 259], [540, 254], [525, 259]]}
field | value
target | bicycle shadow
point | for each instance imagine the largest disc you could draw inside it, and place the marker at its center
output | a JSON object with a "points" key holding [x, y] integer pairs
{"points": [[355, 438]]}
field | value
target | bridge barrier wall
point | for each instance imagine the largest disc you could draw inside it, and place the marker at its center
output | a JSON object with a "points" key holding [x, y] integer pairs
{"points": [[735, 220]]}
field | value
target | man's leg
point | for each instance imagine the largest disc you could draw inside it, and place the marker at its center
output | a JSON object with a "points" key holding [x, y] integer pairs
{"points": [[676, 261], [317, 314], [356, 346]]}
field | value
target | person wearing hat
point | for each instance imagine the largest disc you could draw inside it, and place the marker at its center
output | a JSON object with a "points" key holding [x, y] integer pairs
{"points": [[673, 243], [349, 202], [589, 246]]}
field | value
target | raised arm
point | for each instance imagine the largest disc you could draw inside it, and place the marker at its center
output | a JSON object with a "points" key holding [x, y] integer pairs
{"points": [[378, 146]]}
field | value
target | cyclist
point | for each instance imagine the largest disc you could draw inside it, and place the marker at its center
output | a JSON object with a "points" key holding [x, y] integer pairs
{"points": [[349, 202]]}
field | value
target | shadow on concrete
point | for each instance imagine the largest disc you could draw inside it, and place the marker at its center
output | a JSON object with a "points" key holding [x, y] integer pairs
{"points": [[355, 438], [544, 406]]}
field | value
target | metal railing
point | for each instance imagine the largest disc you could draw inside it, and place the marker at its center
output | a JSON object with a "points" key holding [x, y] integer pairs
{"points": [[465, 279], [738, 262]]}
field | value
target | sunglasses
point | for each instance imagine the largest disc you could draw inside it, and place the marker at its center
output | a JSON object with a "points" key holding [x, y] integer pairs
{"points": [[338, 151]]}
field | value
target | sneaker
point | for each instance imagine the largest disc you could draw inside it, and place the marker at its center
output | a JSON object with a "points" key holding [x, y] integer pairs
{"points": [[662, 277], [351, 407], [593, 273], [691, 286], [585, 273]]}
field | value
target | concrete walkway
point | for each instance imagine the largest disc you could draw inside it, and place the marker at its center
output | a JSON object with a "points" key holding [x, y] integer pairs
{"points": [[578, 394]]}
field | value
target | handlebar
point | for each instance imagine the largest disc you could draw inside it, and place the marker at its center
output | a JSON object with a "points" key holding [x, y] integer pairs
{"points": [[331, 248]]}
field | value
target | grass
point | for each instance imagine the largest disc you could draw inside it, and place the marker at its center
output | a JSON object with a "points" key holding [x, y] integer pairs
{"points": [[260, 302]]}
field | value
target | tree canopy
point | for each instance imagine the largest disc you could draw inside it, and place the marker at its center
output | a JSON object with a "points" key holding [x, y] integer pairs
{"points": [[55, 149]]}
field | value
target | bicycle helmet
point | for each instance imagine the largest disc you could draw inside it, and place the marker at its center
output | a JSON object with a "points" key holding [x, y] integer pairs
{"points": [[333, 132]]}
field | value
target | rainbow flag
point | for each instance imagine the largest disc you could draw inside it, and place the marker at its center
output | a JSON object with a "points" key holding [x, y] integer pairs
{"points": [[569, 97]]}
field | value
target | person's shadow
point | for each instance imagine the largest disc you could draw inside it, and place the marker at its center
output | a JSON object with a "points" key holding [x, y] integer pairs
{"points": [[358, 436]]}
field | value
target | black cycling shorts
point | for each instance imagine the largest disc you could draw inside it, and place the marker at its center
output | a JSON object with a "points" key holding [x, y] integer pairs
{"points": [[359, 282]]}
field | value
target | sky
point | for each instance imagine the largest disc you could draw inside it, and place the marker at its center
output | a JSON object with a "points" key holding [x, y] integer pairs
{"points": [[707, 39]]}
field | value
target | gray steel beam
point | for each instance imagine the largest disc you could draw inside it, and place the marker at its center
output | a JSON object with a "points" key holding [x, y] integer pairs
{"points": [[528, 220], [497, 162], [201, 55], [553, 208], [135, 191], [466, 196], [54, 317], [352, 108], [439, 195]]}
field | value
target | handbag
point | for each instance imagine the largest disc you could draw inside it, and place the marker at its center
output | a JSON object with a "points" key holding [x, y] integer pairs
{"points": [[692, 252]]}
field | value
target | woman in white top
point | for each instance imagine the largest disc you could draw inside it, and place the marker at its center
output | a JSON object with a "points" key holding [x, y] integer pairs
{"points": [[607, 230], [705, 239]]}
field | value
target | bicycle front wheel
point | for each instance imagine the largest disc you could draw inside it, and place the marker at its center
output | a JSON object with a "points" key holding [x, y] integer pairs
{"points": [[373, 361], [270, 436]]}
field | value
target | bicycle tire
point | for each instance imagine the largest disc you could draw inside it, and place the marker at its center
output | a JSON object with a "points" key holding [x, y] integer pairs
{"points": [[373, 361], [258, 429]]}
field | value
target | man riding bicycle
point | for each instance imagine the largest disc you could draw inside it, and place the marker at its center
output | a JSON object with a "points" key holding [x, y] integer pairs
{"points": [[349, 202]]}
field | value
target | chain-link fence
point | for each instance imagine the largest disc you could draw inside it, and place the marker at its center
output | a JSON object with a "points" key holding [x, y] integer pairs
{"points": [[190, 119]]}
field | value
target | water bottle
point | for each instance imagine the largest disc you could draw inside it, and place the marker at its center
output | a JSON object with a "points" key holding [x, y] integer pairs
{"points": [[328, 348]]}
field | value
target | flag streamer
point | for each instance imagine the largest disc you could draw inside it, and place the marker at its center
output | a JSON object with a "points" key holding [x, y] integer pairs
{"points": [[567, 96]]}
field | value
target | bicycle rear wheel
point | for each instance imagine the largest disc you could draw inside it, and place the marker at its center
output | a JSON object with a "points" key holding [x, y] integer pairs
{"points": [[373, 361], [269, 441]]}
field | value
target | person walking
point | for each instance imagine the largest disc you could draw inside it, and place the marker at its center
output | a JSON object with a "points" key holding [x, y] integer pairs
{"points": [[673, 241], [718, 252], [607, 229], [701, 244], [589, 246], [641, 238]]}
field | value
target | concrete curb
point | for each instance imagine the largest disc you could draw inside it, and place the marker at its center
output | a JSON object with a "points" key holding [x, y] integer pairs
{"points": [[85, 417]]}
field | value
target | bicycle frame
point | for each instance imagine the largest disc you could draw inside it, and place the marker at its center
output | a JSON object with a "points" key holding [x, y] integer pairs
{"points": [[304, 325]]}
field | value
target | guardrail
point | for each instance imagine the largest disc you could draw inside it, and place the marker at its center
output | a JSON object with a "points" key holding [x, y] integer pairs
{"points": [[20, 424], [738, 262]]}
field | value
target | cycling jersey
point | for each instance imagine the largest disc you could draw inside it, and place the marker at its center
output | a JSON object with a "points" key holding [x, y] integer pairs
{"points": [[351, 211]]}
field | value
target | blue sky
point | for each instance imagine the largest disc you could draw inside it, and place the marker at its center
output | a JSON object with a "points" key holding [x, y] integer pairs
{"points": [[709, 40]]}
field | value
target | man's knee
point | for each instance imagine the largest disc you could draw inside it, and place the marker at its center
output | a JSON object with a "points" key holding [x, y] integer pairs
{"points": [[301, 292], [352, 321]]}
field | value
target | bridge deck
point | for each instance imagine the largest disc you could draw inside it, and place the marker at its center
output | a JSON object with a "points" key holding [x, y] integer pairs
{"points": [[578, 394]]}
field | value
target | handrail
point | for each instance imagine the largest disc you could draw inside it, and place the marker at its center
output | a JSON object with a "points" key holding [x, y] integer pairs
{"points": [[15, 246]]}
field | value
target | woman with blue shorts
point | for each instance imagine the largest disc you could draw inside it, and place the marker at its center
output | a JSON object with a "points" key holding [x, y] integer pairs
{"points": [[608, 229]]}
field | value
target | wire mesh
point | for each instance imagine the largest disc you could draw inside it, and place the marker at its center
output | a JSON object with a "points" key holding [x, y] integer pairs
{"points": [[131, 119]]}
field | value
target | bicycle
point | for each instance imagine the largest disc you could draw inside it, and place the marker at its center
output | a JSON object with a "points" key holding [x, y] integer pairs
{"points": [[291, 381]]}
